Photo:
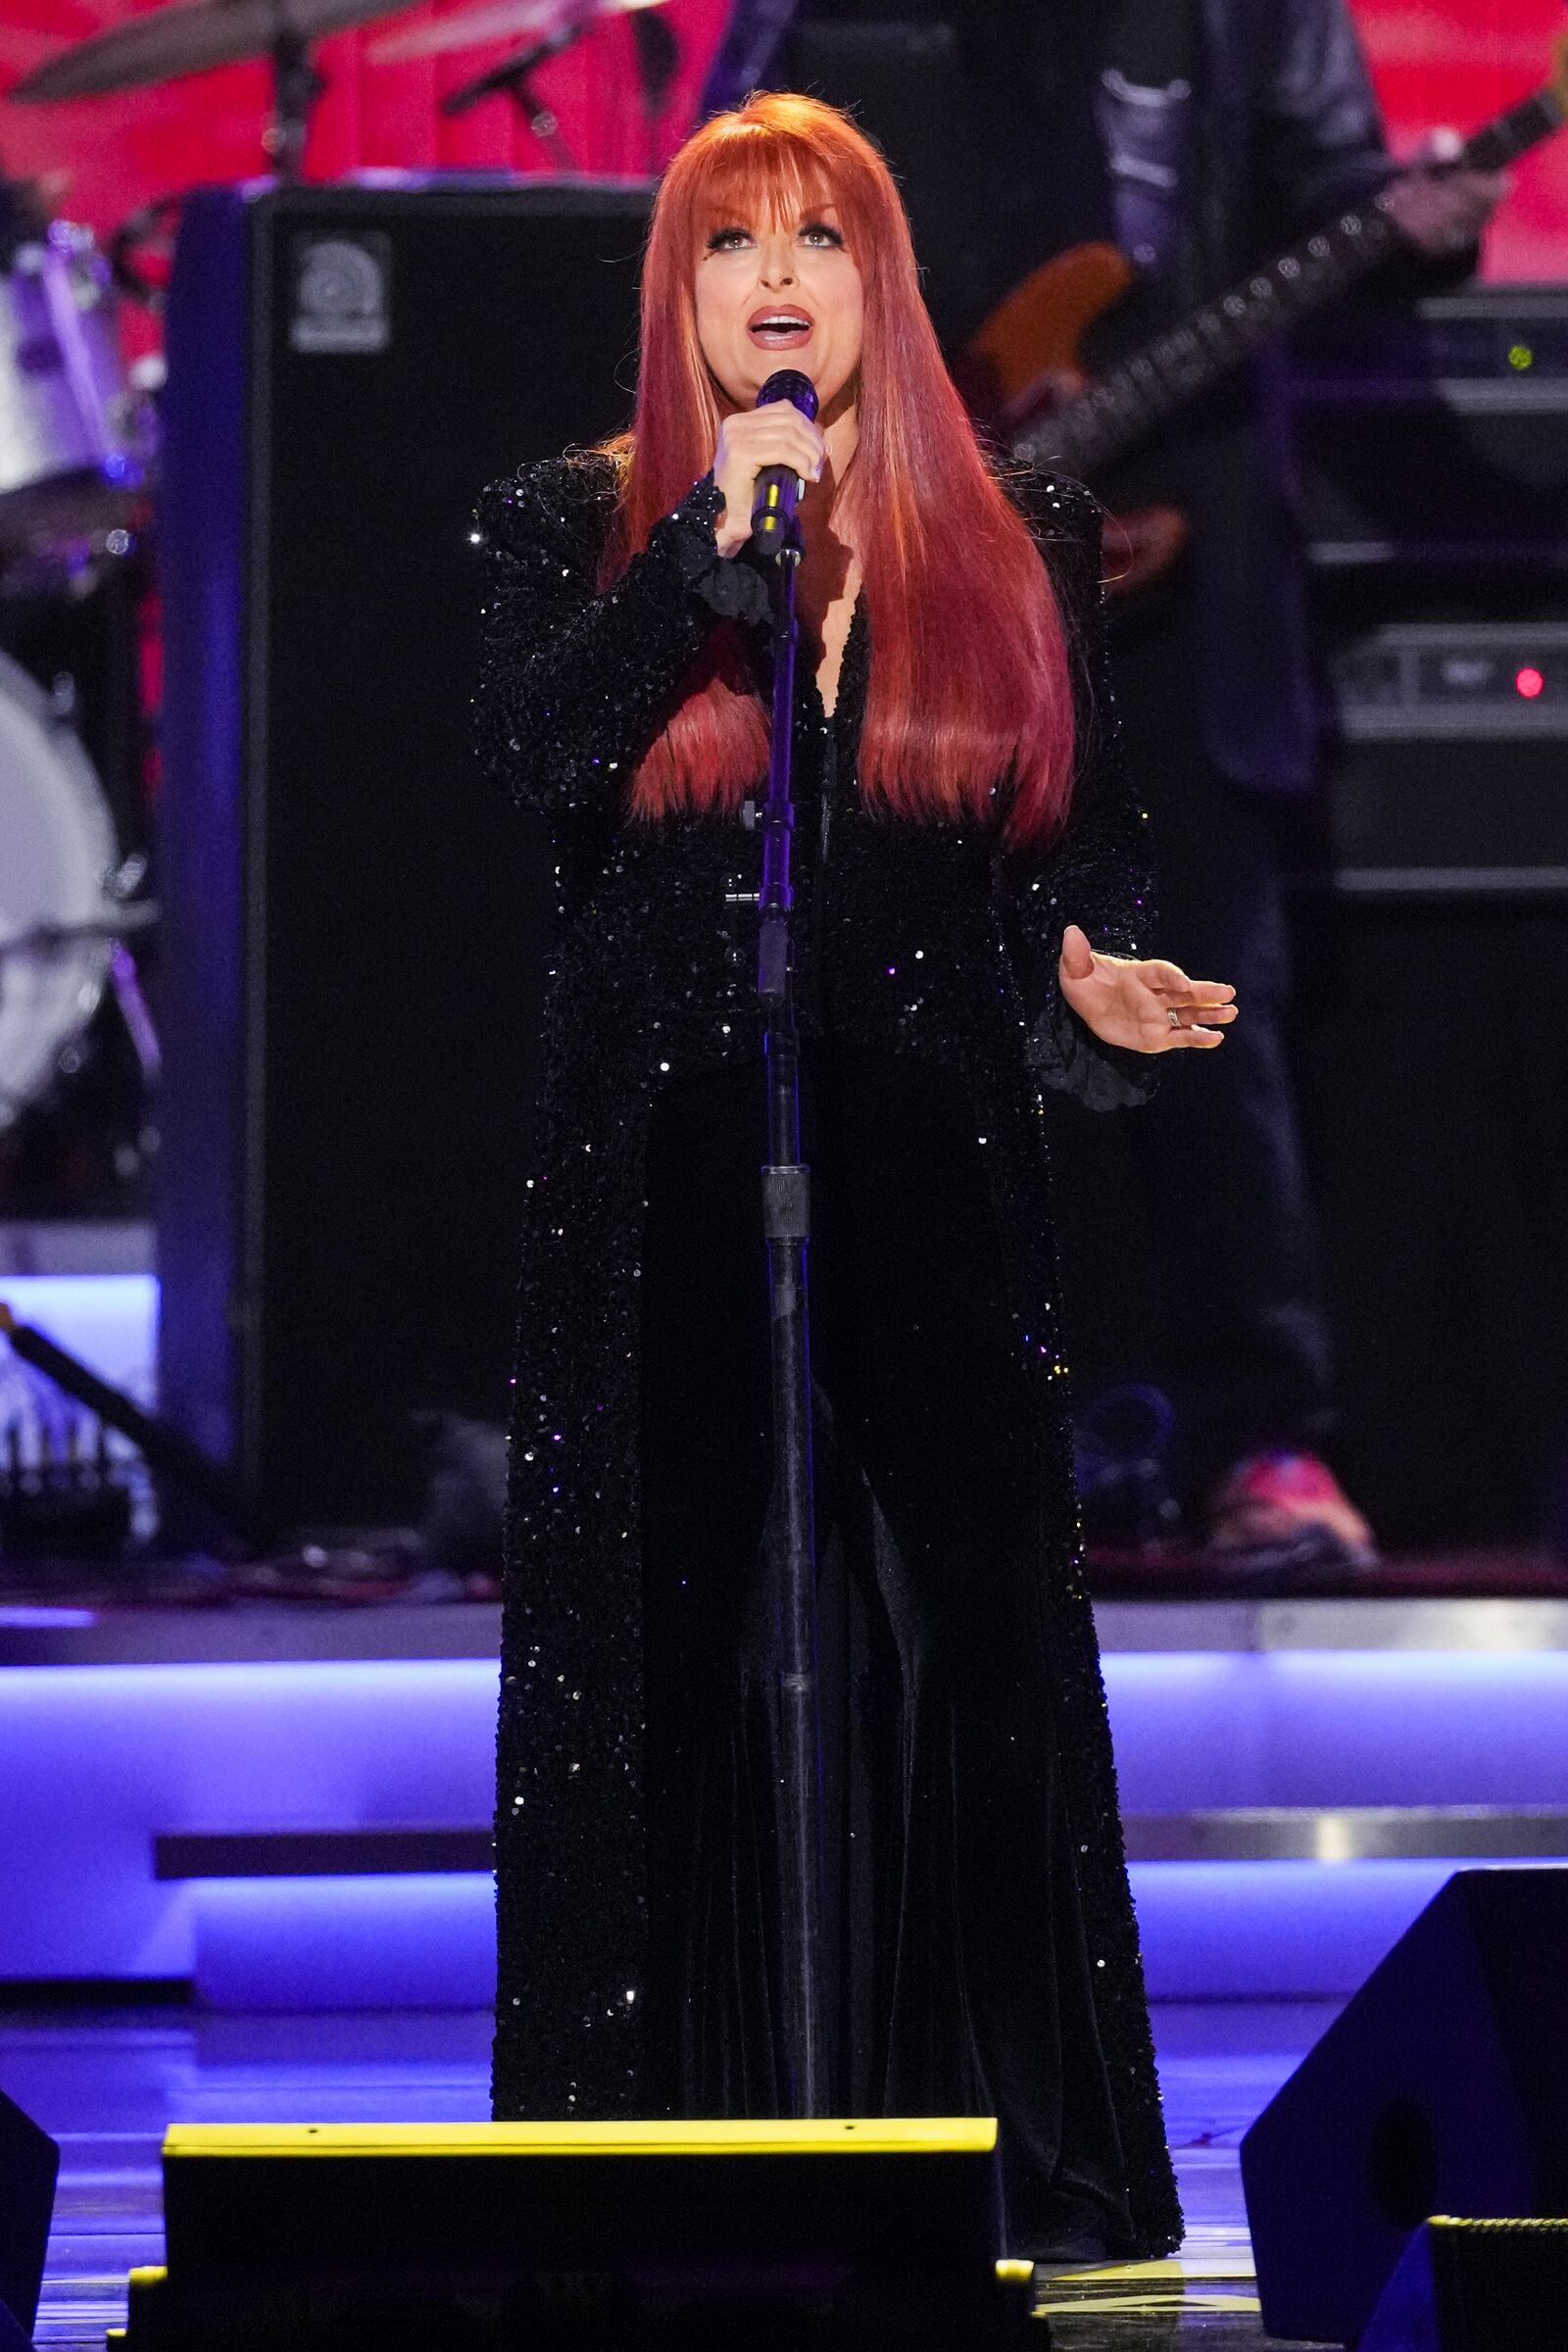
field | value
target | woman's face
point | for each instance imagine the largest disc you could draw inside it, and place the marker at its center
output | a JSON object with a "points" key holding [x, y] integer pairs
{"points": [[784, 292]]}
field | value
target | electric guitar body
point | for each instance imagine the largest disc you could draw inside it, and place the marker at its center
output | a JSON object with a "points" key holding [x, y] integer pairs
{"points": [[1029, 351], [1028, 359]]}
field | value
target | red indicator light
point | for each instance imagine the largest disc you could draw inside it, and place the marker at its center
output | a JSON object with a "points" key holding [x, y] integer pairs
{"points": [[1529, 683]]}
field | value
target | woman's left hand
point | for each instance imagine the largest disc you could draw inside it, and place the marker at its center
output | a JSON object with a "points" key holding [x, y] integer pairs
{"points": [[1145, 1004]]}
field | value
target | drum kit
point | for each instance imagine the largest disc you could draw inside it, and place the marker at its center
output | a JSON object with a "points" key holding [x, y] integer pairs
{"points": [[79, 454]]}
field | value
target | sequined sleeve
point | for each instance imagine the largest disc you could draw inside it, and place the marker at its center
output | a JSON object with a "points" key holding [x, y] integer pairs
{"points": [[574, 682], [1099, 874]]}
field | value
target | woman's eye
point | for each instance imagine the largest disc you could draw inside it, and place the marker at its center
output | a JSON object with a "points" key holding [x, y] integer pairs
{"points": [[822, 232], [726, 240]]}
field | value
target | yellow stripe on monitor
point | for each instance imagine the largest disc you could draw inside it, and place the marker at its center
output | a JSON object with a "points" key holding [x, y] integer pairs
{"points": [[867, 2135]]}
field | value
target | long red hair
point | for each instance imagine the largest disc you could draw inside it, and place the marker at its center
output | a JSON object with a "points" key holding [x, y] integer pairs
{"points": [[970, 681]]}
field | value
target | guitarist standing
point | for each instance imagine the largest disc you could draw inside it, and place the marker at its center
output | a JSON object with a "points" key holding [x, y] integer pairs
{"points": [[1197, 135]]}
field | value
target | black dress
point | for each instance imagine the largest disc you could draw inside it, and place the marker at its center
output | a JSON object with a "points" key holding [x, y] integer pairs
{"points": [[984, 1952]]}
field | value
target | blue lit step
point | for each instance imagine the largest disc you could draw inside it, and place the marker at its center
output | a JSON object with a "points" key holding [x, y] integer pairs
{"points": [[1300, 1778], [1332, 1710], [1276, 1930], [1335, 1705], [404, 1919]]}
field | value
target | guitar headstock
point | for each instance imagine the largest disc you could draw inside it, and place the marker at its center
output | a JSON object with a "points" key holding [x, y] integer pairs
{"points": [[1557, 78]]}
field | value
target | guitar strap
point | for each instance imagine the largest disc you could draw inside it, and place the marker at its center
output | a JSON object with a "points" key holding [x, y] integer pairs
{"points": [[1145, 112]]}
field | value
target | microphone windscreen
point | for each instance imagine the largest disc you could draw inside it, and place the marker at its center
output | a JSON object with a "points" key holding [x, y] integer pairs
{"points": [[788, 384]]}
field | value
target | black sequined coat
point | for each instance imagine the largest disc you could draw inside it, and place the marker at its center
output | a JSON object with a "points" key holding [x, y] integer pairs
{"points": [[926, 964]]}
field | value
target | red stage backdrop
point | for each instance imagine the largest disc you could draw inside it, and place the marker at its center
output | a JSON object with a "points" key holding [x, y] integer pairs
{"points": [[1460, 62], [117, 152], [1455, 63]]}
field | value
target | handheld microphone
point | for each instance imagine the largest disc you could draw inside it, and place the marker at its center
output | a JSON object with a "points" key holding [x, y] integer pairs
{"points": [[778, 487]]}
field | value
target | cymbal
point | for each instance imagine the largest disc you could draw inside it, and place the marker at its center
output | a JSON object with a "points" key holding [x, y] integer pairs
{"points": [[496, 20], [187, 37]]}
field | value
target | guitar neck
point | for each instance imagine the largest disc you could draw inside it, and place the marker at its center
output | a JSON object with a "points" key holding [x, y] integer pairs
{"points": [[1089, 431]]}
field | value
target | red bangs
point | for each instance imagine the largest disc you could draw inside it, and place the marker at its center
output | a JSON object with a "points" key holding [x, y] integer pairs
{"points": [[759, 180], [969, 679]]}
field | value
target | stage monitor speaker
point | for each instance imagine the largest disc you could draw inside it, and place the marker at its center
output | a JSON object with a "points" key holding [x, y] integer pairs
{"points": [[353, 921], [1476, 2287], [30, 2164], [621, 2236], [1442, 2089]]}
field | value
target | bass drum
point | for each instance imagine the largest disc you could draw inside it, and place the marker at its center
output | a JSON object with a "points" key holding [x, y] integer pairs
{"points": [[57, 912]]}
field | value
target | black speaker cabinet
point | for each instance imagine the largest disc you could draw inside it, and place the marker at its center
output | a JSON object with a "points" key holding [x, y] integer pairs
{"points": [[352, 921], [1443, 2088], [1436, 1109], [30, 2164], [1436, 1101]]}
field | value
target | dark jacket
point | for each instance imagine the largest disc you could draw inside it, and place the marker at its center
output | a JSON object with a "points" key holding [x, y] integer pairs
{"points": [[920, 942], [575, 688]]}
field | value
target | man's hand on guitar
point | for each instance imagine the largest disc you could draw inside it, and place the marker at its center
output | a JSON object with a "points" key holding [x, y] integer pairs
{"points": [[1145, 1004], [1439, 209]]}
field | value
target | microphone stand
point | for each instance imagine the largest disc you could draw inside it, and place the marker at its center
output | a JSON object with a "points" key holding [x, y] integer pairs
{"points": [[786, 1225]]}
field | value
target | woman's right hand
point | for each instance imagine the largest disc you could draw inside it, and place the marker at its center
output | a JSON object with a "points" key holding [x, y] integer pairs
{"points": [[750, 440]]}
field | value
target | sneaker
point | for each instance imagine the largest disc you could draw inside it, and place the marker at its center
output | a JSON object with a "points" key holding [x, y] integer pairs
{"points": [[1286, 1514]]}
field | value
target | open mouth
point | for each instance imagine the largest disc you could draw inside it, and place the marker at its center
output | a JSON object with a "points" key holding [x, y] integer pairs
{"points": [[779, 329]]}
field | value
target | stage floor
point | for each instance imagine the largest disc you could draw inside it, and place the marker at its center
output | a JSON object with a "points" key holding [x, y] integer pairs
{"points": [[106, 2081]]}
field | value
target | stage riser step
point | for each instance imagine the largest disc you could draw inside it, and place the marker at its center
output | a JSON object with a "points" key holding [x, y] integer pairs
{"points": [[102, 1761], [1211, 1931]]}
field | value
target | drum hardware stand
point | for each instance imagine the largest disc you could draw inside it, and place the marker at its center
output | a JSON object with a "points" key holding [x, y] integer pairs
{"points": [[124, 981], [791, 1549], [513, 74], [42, 939], [658, 54], [135, 1012], [166, 1451], [66, 1504], [144, 234], [296, 86]]}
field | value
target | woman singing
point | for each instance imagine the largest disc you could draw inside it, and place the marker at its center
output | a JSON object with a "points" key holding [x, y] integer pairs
{"points": [[971, 905]]}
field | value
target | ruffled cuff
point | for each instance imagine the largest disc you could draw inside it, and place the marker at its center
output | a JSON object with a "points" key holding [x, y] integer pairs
{"points": [[729, 586], [1065, 1052]]}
